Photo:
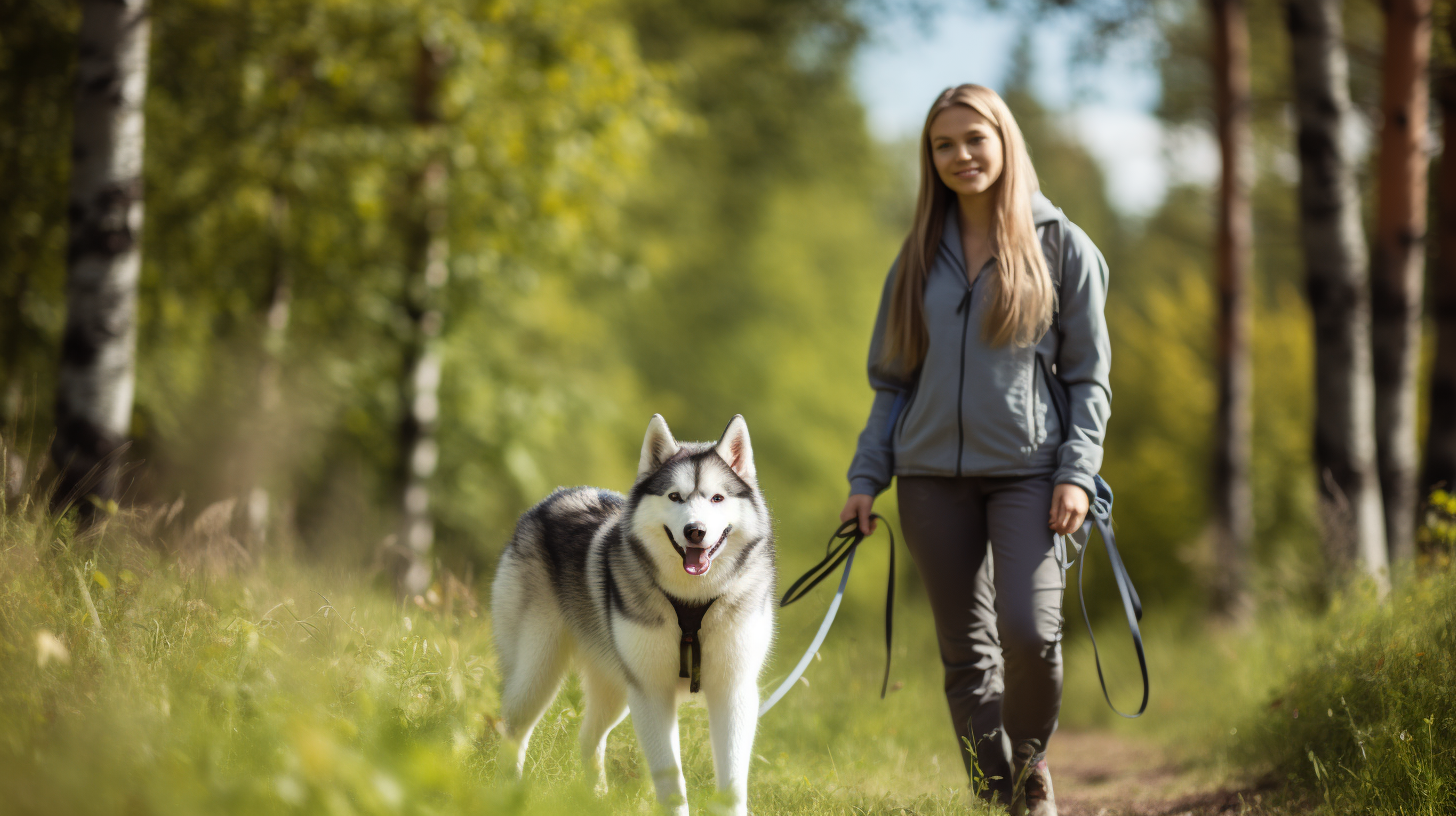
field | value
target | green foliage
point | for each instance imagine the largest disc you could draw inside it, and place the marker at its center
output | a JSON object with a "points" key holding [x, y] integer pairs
{"points": [[1437, 533], [1365, 716]]}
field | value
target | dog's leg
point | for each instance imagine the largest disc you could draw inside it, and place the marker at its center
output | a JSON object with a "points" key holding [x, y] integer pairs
{"points": [[606, 705], [535, 675], [732, 720], [654, 716]]}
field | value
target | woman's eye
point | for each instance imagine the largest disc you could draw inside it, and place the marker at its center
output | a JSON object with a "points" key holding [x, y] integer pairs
{"points": [[717, 497], [674, 497]]}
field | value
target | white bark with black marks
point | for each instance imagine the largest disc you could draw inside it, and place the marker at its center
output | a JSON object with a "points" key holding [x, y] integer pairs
{"points": [[420, 384], [1337, 284], [95, 381]]}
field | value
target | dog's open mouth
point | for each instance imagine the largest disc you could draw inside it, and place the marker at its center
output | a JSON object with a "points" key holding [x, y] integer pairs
{"points": [[698, 560]]}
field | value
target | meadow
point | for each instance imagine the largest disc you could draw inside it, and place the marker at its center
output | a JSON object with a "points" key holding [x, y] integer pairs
{"points": [[152, 667]]}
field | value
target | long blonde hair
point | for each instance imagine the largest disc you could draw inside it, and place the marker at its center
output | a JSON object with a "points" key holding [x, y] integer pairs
{"points": [[1021, 309]]}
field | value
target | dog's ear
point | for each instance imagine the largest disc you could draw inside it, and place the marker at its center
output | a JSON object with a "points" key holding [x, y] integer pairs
{"points": [[736, 450], [657, 447]]}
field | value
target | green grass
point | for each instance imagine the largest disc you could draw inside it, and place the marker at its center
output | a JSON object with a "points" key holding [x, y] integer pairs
{"points": [[1364, 719], [282, 687], [209, 681]]}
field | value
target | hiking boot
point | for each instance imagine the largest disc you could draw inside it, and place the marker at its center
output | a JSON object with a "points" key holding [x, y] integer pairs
{"points": [[1032, 795]]}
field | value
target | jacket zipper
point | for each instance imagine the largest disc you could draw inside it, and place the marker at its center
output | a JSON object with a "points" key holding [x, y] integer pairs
{"points": [[964, 309]]}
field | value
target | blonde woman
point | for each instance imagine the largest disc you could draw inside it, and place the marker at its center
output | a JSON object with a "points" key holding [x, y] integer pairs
{"points": [[989, 362]]}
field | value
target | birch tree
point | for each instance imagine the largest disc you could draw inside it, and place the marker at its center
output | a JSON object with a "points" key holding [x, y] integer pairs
{"points": [[1337, 285], [420, 384], [1399, 263], [1233, 496], [95, 381]]}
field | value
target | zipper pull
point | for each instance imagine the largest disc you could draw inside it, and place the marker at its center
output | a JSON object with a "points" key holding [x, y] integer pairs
{"points": [[965, 301]]}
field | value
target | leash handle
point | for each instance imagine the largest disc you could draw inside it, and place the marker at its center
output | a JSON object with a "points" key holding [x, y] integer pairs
{"points": [[849, 537]]}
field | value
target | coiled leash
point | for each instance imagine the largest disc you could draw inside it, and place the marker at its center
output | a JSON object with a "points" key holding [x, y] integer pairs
{"points": [[849, 537], [1100, 514]]}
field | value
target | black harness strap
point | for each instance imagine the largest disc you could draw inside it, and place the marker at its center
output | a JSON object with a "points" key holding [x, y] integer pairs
{"points": [[690, 648]]}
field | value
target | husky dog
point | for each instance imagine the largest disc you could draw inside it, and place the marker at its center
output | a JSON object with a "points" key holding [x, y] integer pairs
{"points": [[619, 586]]}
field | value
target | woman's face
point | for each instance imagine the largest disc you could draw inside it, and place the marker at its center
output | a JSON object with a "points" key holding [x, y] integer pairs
{"points": [[967, 150]]}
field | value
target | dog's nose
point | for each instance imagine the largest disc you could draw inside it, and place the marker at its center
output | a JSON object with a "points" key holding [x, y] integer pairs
{"points": [[694, 532]]}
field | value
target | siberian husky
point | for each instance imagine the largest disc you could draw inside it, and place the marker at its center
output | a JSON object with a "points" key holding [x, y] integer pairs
{"points": [[615, 585]]}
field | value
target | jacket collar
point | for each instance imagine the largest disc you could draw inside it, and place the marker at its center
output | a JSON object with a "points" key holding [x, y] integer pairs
{"points": [[1042, 212]]}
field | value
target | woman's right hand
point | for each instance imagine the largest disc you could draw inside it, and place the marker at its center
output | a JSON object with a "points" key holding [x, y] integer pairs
{"points": [[859, 506]]}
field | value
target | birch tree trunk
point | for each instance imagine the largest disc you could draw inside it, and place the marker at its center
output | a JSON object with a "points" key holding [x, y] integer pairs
{"points": [[276, 308], [1399, 264], [95, 381], [420, 385], [1337, 285], [1440, 467], [1233, 496]]}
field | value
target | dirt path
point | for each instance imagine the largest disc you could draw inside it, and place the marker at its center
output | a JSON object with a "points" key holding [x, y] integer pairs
{"points": [[1096, 773]]}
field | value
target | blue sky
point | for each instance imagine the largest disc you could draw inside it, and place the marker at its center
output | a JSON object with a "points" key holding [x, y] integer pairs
{"points": [[1107, 107]]}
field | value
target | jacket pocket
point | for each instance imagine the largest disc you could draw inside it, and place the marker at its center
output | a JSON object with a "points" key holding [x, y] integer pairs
{"points": [[1057, 399], [897, 433]]}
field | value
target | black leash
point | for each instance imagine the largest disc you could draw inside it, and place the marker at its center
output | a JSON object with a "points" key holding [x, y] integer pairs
{"points": [[849, 537], [1100, 514]]}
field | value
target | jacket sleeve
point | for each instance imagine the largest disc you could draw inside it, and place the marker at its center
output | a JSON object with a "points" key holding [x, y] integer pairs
{"points": [[874, 457], [1084, 360]]}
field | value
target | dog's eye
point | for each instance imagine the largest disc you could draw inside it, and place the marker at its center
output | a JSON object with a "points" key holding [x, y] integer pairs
{"points": [[717, 497], [674, 497]]}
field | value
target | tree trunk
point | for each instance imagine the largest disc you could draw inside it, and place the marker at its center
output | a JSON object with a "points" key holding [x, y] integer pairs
{"points": [[95, 381], [1233, 496], [275, 311], [419, 388], [1337, 285], [1399, 263], [1440, 467]]}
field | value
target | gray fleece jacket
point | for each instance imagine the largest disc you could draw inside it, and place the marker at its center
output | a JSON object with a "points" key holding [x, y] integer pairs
{"points": [[975, 410]]}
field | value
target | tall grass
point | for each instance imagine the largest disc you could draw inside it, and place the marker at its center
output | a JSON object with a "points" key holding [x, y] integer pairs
{"points": [[1365, 718], [146, 674]]}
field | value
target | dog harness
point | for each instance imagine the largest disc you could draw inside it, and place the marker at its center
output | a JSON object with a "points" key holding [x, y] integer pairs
{"points": [[690, 649]]}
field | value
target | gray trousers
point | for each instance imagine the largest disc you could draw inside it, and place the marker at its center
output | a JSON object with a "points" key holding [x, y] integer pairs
{"points": [[999, 627]]}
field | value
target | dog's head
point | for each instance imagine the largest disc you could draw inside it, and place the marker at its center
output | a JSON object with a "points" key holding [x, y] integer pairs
{"points": [[699, 497]]}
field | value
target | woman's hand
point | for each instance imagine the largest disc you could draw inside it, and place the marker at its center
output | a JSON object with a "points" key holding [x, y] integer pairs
{"points": [[859, 506], [1069, 508]]}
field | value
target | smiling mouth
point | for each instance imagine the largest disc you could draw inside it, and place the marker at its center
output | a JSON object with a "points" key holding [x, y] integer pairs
{"points": [[697, 560]]}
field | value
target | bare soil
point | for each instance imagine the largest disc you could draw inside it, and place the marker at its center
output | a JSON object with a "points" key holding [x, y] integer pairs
{"points": [[1096, 773]]}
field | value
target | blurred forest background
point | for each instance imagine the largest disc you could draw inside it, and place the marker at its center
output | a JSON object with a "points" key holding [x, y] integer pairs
{"points": [[648, 207], [407, 266]]}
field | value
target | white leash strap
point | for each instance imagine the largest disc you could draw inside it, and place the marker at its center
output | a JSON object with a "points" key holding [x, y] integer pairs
{"points": [[813, 647]]}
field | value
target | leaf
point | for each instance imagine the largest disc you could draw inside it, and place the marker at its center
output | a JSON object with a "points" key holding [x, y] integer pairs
{"points": [[100, 578]]}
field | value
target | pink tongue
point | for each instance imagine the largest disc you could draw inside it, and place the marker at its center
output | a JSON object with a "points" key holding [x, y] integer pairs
{"points": [[694, 560]]}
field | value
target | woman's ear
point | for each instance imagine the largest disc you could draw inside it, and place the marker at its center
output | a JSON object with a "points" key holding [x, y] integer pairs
{"points": [[658, 446], [737, 451]]}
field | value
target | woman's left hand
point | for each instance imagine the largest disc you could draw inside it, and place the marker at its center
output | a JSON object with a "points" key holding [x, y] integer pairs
{"points": [[1069, 508]]}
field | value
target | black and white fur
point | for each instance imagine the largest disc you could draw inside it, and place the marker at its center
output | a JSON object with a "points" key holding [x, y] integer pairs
{"points": [[586, 579]]}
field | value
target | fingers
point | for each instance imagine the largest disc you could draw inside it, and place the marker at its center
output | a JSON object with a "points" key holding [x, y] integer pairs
{"points": [[859, 507], [1065, 517]]}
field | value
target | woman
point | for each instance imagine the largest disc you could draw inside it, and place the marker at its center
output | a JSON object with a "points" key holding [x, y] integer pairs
{"points": [[989, 361]]}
